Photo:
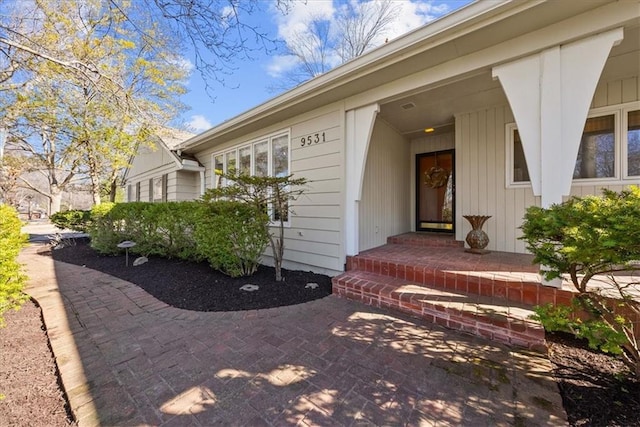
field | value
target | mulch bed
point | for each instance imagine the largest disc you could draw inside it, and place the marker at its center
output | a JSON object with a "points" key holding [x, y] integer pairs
{"points": [[596, 389], [30, 394], [198, 287]]}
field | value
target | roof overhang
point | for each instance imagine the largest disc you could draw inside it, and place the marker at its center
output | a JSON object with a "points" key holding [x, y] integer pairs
{"points": [[479, 25]]}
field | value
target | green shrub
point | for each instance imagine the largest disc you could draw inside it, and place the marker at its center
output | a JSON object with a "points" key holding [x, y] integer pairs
{"points": [[582, 238], [77, 220], [12, 279], [105, 233], [232, 236], [162, 229], [264, 193]]}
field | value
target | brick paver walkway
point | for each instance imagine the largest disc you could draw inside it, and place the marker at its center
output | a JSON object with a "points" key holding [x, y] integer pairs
{"points": [[128, 359]]}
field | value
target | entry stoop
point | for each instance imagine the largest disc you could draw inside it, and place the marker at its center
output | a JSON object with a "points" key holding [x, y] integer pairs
{"points": [[431, 277]]}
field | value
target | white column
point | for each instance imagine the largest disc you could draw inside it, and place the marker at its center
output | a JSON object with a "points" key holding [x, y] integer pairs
{"points": [[359, 126], [549, 94]]}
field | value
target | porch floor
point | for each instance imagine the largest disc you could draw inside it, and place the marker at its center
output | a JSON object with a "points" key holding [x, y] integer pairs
{"points": [[429, 275]]}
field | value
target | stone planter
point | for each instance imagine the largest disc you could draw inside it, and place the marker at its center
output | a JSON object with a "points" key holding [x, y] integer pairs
{"points": [[477, 239]]}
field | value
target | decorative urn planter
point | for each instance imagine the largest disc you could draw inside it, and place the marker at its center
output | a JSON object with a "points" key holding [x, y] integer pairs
{"points": [[477, 239]]}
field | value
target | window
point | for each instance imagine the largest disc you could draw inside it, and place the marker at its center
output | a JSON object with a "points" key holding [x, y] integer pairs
{"points": [[261, 158], [158, 189], [218, 167], [633, 143], [596, 155], [609, 149], [264, 157], [520, 171], [137, 192], [245, 160]]}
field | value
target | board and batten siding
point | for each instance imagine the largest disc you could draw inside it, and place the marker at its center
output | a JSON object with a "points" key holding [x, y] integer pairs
{"points": [[425, 144], [481, 169], [385, 202]]}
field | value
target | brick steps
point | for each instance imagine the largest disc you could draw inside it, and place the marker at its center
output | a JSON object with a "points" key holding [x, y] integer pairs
{"points": [[429, 275], [484, 316]]}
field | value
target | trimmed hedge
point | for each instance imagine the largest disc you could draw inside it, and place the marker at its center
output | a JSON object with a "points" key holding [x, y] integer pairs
{"points": [[229, 235], [162, 229], [12, 279], [77, 220]]}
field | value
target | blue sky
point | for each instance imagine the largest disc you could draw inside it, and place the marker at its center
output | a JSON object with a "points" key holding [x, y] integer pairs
{"points": [[252, 81]]}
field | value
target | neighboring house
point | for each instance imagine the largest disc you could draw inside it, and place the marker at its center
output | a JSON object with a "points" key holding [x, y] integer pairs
{"points": [[161, 173], [480, 112]]}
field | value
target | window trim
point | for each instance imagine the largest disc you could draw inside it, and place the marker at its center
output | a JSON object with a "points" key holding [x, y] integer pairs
{"points": [[624, 137], [619, 111], [252, 143]]}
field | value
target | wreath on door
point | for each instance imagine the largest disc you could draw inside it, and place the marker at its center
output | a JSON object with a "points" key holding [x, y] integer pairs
{"points": [[436, 176]]}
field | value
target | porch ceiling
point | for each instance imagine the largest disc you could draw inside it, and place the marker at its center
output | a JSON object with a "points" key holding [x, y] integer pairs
{"points": [[414, 112], [435, 107]]}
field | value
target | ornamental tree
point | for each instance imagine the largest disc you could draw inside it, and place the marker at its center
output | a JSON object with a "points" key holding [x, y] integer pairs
{"points": [[266, 193], [586, 237]]}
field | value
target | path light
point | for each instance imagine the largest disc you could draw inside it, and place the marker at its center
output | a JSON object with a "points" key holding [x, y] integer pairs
{"points": [[126, 245]]}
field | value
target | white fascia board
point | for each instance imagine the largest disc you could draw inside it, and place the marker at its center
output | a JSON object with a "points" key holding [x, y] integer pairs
{"points": [[463, 21], [575, 28]]}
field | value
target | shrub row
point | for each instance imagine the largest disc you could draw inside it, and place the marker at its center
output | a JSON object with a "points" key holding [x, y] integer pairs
{"points": [[229, 235], [11, 277], [77, 220]]}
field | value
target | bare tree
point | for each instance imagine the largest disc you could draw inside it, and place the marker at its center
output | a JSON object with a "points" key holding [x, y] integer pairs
{"points": [[330, 41], [360, 23]]}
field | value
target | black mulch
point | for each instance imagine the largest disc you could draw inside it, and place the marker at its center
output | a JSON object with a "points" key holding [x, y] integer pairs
{"points": [[198, 287]]}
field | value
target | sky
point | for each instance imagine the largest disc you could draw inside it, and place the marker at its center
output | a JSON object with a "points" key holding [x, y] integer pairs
{"points": [[253, 81]]}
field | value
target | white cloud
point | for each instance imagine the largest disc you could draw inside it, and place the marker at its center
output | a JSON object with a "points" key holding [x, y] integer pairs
{"points": [[411, 14], [280, 64], [199, 123]]}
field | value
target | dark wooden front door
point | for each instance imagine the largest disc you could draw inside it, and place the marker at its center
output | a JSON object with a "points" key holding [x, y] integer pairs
{"points": [[435, 190]]}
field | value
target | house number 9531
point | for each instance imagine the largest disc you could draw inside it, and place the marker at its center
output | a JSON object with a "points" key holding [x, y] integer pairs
{"points": [[315, 138]]}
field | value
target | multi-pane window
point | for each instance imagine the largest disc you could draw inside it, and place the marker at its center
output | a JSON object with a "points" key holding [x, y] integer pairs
{"points": [[264, 157], [609, 148]]}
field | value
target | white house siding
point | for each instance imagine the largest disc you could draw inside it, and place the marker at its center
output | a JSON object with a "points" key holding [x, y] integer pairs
{"points": [[148, 159], [313, 238], [183, 185], [481, 169], [425, 144], [384, 207], [480, 181]]}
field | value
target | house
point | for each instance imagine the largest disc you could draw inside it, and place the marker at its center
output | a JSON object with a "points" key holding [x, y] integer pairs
{"points": [[159, 172], [496, 107]]}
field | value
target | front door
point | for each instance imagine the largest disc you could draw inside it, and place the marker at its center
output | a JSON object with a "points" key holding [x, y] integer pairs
{"points": [[435, 187]]}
